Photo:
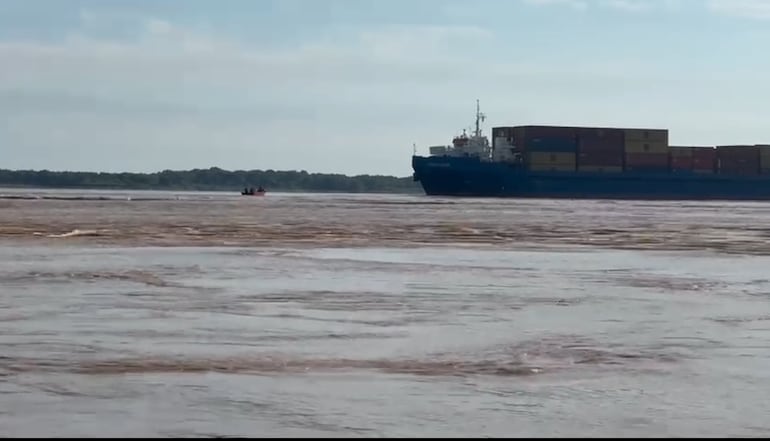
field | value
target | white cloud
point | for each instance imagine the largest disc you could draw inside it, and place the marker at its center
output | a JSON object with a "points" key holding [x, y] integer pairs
{"points": [[631, 5], [171, 97], [574, 4], [756, 9], [676, 5], [164, 96]]}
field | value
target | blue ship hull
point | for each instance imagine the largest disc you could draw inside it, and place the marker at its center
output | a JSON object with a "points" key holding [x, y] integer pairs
{"points": [[471, 177]]}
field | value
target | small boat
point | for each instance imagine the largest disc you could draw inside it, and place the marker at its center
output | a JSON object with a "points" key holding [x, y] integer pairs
{"points": [[251, 192]]}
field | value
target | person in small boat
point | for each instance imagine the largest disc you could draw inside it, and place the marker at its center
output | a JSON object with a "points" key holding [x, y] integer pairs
{"points": [[251, 191]]}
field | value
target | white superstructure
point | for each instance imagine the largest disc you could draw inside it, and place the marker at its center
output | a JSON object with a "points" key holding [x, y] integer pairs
{"points": [[476, 145]]}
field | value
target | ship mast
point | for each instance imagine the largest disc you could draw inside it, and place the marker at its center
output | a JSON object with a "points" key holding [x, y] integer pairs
{"points": [[479, 117]]}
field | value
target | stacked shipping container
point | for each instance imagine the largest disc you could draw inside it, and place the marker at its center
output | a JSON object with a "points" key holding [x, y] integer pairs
{"points": [[600, 149], [556, 161], [681, 158], [548, 148], [502, 136], [764, 158], [704, 159], [646, 149], [616, 149], [503, 144], [738, 159]]}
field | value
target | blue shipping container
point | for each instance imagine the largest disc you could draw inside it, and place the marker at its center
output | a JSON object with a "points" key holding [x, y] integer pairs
{"points": [[551, 144]]}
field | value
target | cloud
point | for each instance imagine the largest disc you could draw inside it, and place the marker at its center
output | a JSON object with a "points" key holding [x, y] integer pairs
{"points": [[350, 99], [574, 4], [171, 72], [164, 55], [754, 9], [630, 5], [165, 96]]}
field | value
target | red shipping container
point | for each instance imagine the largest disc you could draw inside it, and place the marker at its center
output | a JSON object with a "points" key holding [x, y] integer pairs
{"points": [[704, 158], [738, 164], [523, 135], [740, 170], [744, 156], [647, 160], [703, 164], [599, 135], [548, 131], [741, 161], [682, 163], [704, 153], [738, 151], [736, 147]]}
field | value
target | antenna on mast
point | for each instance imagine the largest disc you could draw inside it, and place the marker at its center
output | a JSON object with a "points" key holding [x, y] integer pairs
{"points": [[479, 117]]}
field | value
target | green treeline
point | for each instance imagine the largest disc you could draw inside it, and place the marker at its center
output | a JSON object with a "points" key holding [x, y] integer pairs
{"points": [[211, 179]]}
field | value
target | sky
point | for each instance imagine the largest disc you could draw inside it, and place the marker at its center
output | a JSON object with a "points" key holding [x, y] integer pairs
{"points": [[348, 86]]}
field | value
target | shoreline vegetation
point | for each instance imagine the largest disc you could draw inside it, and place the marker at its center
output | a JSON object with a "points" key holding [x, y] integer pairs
{"points": [[211, 179]]}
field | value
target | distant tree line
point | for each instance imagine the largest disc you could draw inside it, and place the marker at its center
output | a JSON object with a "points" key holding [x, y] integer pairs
{"points": [[211, 179]]}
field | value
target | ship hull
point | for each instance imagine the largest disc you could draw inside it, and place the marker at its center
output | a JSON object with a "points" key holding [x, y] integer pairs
{"points": [[470, 177]]}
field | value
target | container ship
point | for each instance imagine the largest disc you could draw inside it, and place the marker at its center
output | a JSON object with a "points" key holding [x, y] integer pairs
{"points": [[546, 161]]}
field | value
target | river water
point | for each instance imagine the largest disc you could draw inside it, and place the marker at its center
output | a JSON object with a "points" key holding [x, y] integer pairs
{"points": [[209, 314]]}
